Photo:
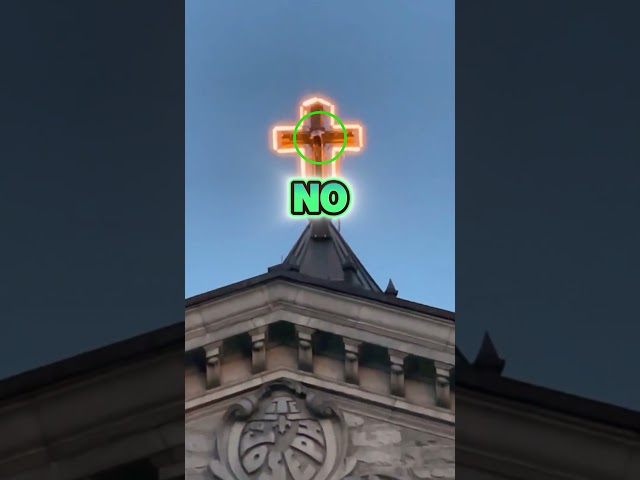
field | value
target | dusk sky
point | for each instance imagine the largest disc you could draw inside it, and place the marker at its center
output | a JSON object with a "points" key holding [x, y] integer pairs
{"points": [[391, 68], [546, 174]]}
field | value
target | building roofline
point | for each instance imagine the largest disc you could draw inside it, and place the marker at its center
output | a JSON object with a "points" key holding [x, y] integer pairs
{"points": [[339, 287], [470, 378], [467, 376], [93, 361]]}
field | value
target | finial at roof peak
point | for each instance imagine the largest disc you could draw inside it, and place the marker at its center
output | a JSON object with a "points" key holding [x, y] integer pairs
{"points": [[391, 289], [488, 358]]}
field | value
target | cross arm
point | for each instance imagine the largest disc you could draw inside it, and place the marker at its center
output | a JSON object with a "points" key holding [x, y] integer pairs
{"points": [[337, 138], [285, 139]]}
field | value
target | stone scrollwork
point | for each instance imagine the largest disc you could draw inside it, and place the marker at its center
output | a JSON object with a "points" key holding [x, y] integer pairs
{"points": [[282, 432], [370, 477]]}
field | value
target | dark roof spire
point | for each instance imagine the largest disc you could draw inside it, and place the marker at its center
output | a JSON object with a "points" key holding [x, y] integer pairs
{"points": [[391, 289], [321, 252], [320, 228], [488, 359]]}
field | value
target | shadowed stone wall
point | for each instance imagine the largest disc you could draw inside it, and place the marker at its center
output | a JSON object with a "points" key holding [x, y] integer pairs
{"points": [[373, 447], [397, 451]]}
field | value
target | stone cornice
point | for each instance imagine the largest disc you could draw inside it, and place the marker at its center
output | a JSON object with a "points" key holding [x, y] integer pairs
{"points": [[410, 332], [546, 444], [326, 285], [74, 420], [395, 404], [89, 364], [535, 396]]}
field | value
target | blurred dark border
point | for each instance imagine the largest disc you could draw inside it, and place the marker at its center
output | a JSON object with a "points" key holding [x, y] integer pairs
{"points": [[92, 180], [548, 189], [547, 231], [92, 235]]}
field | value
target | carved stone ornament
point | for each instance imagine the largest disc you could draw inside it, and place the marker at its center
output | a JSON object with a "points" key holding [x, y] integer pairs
{"points": [[370, 477], [282, 432]]}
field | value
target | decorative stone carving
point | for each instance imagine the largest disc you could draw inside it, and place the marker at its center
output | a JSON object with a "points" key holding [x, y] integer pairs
{"points": [[410, 474], [397, 372], [305, 350], [212, 352], [282, 432], [351, 360], [443, 384], [370, 477], [258, 349]]}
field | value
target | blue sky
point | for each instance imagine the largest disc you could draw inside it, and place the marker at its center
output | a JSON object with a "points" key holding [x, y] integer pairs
{"points": [[249, 63]]}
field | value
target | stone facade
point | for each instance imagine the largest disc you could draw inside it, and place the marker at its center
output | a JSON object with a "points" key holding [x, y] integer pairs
{"points": [[285, 382], [357, 442]]}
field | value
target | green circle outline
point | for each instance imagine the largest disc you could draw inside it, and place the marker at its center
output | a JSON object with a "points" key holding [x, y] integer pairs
{"points": [[295, 142]]}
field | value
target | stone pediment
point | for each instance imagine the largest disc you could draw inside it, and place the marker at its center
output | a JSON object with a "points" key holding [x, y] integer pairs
{"points": [[293, 379], [287, 431], [283, 431], [357, 318]]}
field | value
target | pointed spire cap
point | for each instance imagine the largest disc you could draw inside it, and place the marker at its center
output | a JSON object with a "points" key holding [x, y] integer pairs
{"points": [[487, 358], [391, 289], [321, 252]]}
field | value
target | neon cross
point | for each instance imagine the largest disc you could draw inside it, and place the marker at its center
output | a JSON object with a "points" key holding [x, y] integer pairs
{"points": [[320, 137]]}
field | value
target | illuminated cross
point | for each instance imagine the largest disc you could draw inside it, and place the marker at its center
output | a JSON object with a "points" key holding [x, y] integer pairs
{"points": [[320, 138]]}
